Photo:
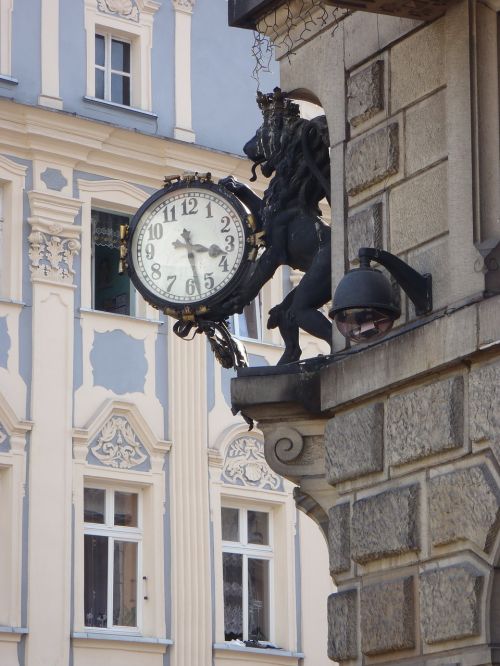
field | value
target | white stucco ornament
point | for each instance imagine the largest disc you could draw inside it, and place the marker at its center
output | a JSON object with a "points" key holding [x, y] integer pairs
{"points": [[245, 465], [52, 257], [118, 446], [126, 8]]}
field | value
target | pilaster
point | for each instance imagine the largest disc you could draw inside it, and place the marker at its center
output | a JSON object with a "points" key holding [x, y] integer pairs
{"points": [[189, 508], [183, 122], [49, 57], [53, 246]]}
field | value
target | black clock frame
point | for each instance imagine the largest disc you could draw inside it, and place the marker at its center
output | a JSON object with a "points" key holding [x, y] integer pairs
{"points": [[205, 309]]}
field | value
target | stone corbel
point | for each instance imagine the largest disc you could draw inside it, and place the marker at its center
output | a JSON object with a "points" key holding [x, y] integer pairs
{"points": [[186, 6], [54, 239]]}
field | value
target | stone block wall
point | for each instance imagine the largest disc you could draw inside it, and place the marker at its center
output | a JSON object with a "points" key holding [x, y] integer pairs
{"points": [[414, 528], [396, 157]]}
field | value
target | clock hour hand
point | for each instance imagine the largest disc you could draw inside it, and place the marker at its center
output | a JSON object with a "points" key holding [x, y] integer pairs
{"points": [[213, 250]]}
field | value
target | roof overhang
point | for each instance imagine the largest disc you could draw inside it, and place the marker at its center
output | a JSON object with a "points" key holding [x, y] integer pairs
{"points": [[247, 13]]}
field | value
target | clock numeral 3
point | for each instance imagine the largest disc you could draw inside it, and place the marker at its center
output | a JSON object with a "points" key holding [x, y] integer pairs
{"points": [[230, 243]]}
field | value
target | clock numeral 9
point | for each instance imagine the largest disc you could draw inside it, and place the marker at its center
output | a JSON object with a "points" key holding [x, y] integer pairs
{"points": [[155, 231], [225, 224], [155, 271], [150, 251]]}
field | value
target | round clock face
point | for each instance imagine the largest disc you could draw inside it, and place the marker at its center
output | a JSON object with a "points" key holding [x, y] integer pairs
{"points": [[187, 245]]}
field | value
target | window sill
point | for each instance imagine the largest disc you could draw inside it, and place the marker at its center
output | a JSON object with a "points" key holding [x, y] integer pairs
{"points": [[277, 652], [121, 107], [121, 638], [122, 317], [8, 79], [12, 634]]}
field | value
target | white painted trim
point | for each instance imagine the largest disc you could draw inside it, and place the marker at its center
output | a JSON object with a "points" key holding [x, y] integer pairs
{"points": [[12, 182], [49, 56], [6, 7], [183, 116]]}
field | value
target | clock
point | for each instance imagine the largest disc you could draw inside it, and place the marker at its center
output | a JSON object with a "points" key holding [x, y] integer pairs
{"points": [[189, 247]]}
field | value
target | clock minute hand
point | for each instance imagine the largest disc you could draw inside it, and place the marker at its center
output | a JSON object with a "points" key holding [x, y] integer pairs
{"points": [[191, 257]]}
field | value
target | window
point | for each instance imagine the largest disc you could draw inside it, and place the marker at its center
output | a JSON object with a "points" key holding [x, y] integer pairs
{"points": [[112, 69], [247, 559], [248, 324], [113, 292], [112, 557]]}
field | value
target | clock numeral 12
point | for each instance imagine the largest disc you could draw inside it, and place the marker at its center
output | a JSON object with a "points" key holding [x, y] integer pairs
{"points": [[192, 210]]}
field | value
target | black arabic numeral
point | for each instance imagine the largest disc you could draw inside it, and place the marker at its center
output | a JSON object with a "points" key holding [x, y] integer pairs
{"points": [[223, 264], [190, 286], [226, 222], [150, 251], [155, 231], [209, 281], [209, 209], [170, 212], [230, 243], [194, 207], [155, 271], [170, 281]]}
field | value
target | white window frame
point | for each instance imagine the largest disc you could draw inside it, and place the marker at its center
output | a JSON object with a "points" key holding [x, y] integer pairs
{"points": [[237, 326], [253, 551], [107, 67], [139, 34], [118, 533]]}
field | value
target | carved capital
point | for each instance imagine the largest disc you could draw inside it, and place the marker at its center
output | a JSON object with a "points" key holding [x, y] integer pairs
{"points": [[52, 257], [184, 5]]}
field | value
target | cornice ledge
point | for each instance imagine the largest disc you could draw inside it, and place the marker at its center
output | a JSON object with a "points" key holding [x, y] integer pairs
{"points": [[54, 214]]}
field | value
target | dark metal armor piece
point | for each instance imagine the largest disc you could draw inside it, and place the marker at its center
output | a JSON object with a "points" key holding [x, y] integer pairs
{"points": [[295, 153]]}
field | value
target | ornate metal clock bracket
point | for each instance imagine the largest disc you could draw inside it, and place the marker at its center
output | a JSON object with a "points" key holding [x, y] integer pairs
{"points": [[229, 351]]}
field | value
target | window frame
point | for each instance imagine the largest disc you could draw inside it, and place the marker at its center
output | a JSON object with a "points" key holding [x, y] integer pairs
{"points": [[254, 551], [107, 68], [140, 35], [235, 321], [133, 294], [117, 533]]}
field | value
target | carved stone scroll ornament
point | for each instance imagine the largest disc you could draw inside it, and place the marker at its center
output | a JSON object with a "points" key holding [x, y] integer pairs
{"points": [[118, 446], [245, 465], [125, 8], [52, 256]]}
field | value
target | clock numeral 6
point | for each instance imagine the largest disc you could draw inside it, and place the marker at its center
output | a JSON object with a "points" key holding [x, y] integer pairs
{"points": [[190, 287], [155, 271]]}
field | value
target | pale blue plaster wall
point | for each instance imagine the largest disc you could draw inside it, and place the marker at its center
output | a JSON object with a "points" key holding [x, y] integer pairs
{"points": [[118, 362], [225, 114], [4, 343], [25, 52]]}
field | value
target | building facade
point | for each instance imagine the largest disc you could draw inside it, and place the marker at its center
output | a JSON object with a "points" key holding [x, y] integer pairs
{"points": [[396, 446], [140, 522]]}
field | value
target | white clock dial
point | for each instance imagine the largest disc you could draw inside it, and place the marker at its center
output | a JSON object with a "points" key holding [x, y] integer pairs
{"points": [[188, 245]]}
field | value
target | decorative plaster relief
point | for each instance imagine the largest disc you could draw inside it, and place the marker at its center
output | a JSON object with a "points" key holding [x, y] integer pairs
{"points": [[184, 5], [52, 256], [117, 445], [245, 464], [53, 179], [126, 8]]}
